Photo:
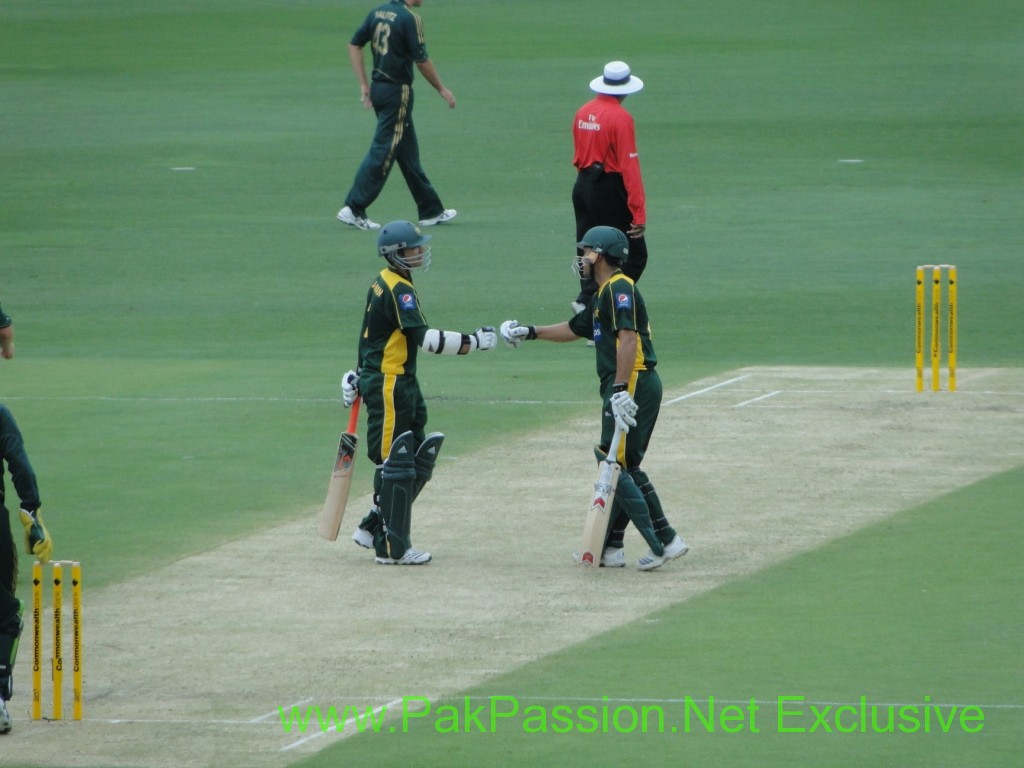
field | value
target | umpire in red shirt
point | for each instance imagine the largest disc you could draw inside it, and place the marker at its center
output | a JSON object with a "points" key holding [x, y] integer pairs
{"points": [[609, 189]]}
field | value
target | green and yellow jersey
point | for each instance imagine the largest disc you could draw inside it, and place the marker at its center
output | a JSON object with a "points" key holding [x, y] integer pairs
{"points": [[393, 326], [616, 306], [396, 37]]}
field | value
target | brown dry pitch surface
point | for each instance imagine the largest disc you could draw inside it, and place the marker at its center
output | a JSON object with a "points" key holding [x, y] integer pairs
{"points": [[187, 666]]}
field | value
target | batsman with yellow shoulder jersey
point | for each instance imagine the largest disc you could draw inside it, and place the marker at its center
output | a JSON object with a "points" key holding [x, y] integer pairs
{"points": [[394, 330], [616, 319], [38, 542]]}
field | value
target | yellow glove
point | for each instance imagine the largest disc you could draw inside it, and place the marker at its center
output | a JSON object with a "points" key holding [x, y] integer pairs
{"points": [[37, 538]]}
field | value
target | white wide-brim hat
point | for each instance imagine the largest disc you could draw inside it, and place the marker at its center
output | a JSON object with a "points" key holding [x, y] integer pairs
{"points": [[617, 81]]}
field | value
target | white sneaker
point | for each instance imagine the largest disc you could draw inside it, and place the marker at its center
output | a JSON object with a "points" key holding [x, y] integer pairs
{"points": [[346, 216], [446, 215], [5, 718], [363, 538], [676, 548], [411, 557], [649, 562], [613, 558]]}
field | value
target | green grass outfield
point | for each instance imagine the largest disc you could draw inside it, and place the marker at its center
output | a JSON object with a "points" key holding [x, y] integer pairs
{"points": [[921, 613], [181, 332]]}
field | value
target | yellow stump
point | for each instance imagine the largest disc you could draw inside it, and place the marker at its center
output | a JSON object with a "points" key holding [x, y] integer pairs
{"points": [[37, 641], [951, 329], [936, 320], [76, 618], [58, 646], [919, 331]]}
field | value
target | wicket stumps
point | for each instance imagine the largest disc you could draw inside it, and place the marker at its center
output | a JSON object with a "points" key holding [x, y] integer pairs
{"points": [[936, 271], [57, 657]]}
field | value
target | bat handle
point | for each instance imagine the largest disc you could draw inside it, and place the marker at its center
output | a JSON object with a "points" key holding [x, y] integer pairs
{"points": [[613, 449], [353, 419]]}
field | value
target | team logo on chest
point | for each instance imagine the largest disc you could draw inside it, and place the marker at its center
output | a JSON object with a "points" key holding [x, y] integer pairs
{"points": [[407, 301]]}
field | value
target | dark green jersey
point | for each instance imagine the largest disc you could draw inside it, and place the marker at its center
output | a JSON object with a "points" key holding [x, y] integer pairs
{"points": [[393, 325], [5, 320], [396, 37], [617, 305]]}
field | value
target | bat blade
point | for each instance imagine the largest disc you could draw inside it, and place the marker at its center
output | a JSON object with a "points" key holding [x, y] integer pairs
{"points": [[595, 527], [341, 480]]}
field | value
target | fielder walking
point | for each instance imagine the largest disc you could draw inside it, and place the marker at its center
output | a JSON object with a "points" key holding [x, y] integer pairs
{"points": [[616, 319], [395, 35], [37, 538], [609, 188], [394, 330]]}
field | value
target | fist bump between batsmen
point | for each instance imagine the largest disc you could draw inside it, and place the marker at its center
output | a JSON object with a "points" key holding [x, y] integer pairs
{"points": [[513, 333], [485, 337]]}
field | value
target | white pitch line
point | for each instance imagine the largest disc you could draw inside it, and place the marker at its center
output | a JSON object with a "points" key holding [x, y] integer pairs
{"points": [[172, 721], [767, 702], [334, 727], [136, 399], [713, 387], [758, 399], [328, 400], [267, 720], [253, 399], [276, 713]]}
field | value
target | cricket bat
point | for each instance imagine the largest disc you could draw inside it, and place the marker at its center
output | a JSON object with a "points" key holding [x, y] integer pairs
{"points": [[341, 479], [595, 528]]}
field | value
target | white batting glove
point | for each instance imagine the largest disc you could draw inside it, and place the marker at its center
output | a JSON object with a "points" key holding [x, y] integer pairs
{"points": [[349, 388], [624, 410], [513, 333], [485, 337]]}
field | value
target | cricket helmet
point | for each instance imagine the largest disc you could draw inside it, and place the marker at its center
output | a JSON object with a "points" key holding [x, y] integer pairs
{"points": [[610, 242], [395, 237]]}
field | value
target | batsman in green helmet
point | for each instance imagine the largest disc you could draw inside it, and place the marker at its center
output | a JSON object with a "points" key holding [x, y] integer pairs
{"points": [[616, 320], [394, 331]]}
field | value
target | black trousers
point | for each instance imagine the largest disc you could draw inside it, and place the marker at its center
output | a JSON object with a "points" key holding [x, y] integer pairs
{"points": [[599, 199], [394, 143]]}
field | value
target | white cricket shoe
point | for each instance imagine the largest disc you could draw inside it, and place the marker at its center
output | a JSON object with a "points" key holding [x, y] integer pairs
{"points": [[5, 718], [650, 561], [446, 215], [613, 558], [363, 538], [411, 557], [345, 216], [676, 548]]}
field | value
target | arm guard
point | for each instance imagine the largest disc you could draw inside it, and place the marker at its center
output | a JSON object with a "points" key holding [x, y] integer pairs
{"points": [[447, 342]]}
